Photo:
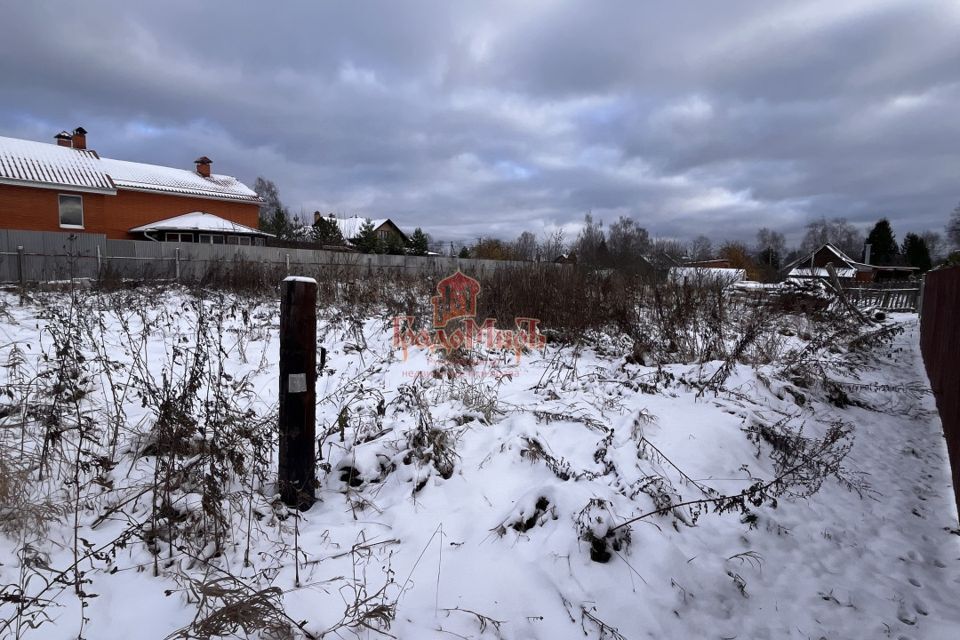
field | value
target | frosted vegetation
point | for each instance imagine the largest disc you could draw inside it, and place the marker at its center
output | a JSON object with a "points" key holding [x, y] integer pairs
{"points": [[677, 462]]}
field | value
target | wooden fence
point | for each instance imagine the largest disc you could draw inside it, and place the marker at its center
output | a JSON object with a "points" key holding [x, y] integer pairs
{"points": [[940, 346], [900, 296]]}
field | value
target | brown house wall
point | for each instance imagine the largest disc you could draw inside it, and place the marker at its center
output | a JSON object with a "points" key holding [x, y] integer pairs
{"points": [[35, 209]]}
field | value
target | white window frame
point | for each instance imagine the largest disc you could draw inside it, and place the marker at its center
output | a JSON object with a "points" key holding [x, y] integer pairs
{"points": [[232, 240], [244, 241], [60, 198]]}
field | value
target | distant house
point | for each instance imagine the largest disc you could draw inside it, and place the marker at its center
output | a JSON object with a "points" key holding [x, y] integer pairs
{"points": [[566, 258], [68, 187], [384, 228], [815, 266]]}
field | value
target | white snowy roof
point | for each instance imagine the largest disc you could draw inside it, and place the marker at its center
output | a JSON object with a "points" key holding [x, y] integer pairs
{"points": [[709, 274], [150, 177], [198, 221], [26, 161], [350, 227], [52, 166], [821, 272]]}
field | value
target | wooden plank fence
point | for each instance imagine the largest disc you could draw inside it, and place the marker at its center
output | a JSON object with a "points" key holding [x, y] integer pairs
{"points": [[940, 347], [899, 297]]}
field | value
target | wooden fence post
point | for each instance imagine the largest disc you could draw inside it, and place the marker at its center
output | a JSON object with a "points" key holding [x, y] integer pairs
{"points": [[298, 377], [176, 257]]}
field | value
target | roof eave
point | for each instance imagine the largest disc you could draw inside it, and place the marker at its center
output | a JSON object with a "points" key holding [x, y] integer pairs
{"points": [[254, 200], [56, 186]]}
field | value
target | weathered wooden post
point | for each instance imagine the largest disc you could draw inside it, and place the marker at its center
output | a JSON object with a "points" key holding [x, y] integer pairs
{"points": [[298, 378]]}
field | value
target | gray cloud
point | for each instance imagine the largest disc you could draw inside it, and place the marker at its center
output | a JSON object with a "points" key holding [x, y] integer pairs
{"points": [[490, 118]]}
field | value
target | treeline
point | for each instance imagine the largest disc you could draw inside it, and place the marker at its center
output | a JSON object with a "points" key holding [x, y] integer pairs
{"points": [[626, 245]]}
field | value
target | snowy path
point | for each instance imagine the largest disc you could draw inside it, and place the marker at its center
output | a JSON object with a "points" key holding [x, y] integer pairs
{"points": [[884, 566]]}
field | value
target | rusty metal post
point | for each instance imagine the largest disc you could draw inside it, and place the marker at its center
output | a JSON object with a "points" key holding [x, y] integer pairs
{"points": [[298, 378]]}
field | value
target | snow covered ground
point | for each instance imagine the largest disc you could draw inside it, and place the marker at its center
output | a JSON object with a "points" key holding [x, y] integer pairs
{"points": [[481, 499]]}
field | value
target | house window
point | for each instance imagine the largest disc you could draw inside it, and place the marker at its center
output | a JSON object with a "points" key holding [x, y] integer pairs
{"points": [[232, 240], [244, 240], [71, 211], [258, 242], [208, 238], [178, 237]]}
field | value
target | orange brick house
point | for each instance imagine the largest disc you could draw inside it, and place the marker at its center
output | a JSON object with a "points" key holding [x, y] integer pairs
{"points": [[68, 187]]}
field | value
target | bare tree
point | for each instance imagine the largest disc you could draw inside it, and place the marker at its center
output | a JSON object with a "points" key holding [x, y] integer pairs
{"points": [[627, 243], [525, 246], [953, 228], [270, 195], [553, 245], [935, 244], [701, 248], [591, 240], [836, 231], [771, 247]]}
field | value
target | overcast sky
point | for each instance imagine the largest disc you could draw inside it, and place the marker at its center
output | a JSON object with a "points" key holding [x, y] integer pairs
{"points": [[489, 118]]}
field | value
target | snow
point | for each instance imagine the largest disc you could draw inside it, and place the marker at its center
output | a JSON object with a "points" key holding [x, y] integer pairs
{"points": [[27, 161], [706, 274], [350, 227], [499, 536], [198, 221], [820, 272], [37, 162], [299, 279], [148, 177]]}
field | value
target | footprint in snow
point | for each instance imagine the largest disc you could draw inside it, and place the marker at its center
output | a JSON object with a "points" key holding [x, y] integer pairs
{"points": [[914, 582], [906, 617]]}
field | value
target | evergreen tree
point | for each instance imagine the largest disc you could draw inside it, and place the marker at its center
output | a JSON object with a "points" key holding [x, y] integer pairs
{"points": [[367, 241], [883, 244], [916, 252], [279, 224], [464, 252], [394, 245], [326, 231], [419, 242]]}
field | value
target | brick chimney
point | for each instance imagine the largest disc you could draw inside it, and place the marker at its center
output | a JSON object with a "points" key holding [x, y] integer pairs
{"points": [[63, 139], [203, 166], [79, 138]]}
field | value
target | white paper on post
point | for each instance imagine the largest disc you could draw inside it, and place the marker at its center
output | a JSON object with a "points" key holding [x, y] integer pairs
{"points": [[297, 383]]}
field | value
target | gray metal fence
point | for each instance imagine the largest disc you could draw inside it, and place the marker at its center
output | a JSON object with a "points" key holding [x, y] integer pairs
{"points": [[41, 256]]}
